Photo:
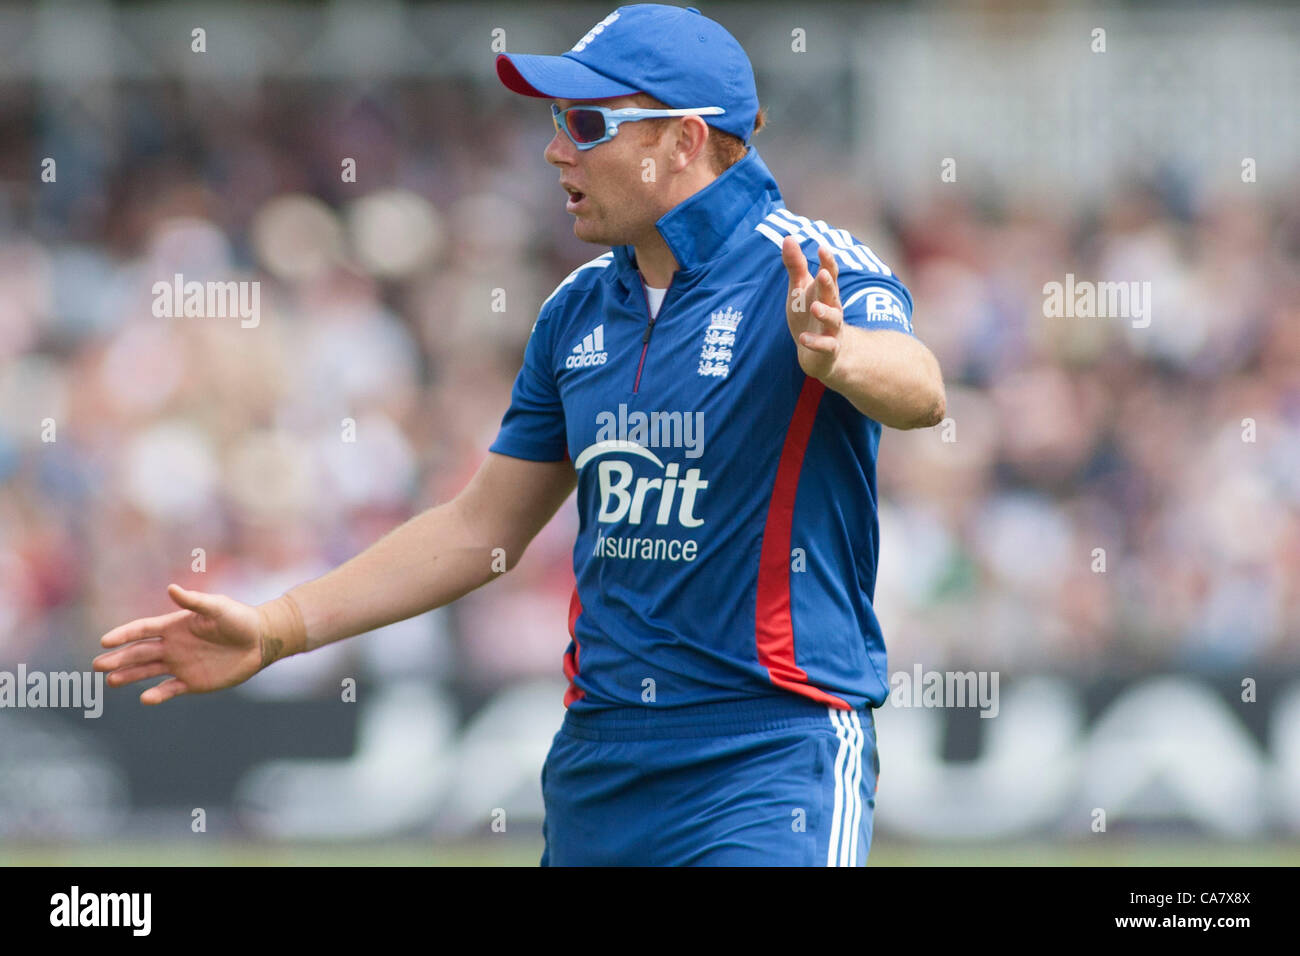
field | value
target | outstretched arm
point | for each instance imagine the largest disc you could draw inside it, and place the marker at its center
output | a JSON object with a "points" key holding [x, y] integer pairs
{"points": [[439, 555]]}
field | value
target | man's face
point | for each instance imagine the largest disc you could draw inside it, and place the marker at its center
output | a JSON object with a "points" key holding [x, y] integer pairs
{"points": [[618, 203]]}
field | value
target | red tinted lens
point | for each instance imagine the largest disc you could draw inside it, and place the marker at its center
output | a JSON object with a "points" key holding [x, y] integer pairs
{"points": [[585, 126]]}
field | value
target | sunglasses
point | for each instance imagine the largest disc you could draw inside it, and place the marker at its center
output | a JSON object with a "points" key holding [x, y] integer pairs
{"points": [[588, 126]]}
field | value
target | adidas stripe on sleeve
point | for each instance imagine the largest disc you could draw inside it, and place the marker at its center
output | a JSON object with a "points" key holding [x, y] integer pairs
{"points": [[871, 294]]}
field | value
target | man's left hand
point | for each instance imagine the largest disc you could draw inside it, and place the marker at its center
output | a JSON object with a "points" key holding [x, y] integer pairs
{"points": [[813, 309]]}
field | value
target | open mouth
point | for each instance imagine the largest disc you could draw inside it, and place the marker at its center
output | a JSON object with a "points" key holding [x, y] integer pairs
{"points": [[575, 198]]}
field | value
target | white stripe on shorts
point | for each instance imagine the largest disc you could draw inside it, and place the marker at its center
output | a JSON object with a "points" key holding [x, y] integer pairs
{"points": [[856, 785], [842, 849]]}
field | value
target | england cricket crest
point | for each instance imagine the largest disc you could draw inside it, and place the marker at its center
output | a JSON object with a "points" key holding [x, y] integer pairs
{"points": [[719, 340]]}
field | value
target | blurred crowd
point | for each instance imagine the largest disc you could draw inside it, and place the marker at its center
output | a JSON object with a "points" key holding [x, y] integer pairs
{"points": [[1103, 495]]}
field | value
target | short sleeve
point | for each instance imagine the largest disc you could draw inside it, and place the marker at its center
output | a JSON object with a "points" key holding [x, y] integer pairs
{"points": [[873, 302], [533, 426]]}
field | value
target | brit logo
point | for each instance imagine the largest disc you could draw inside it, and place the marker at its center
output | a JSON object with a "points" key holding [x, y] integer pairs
{"points": [[590, 351], [719, 339]]}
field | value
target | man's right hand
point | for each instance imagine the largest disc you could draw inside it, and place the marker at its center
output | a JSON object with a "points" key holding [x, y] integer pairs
{"points": [[215, 642]]}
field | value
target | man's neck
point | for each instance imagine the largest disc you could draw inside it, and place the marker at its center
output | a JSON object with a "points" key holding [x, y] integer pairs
{"points": [[655, 262]]}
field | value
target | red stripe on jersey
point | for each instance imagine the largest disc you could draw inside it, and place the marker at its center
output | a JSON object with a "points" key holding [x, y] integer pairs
{"points": [[571, 658], [773, 629]]}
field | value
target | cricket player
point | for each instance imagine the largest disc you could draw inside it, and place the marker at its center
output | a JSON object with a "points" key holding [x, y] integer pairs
{"points": [[714, 386]]}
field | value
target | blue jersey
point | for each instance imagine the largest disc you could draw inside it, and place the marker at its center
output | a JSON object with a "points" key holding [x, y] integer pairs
{"points": [[728, 539]]}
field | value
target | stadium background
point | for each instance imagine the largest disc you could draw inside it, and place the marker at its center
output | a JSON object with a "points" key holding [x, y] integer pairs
{"points": [[380, 302]]}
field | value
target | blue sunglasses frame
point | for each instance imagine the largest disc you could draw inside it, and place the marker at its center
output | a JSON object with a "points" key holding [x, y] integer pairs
{"points": [[614, 117]]}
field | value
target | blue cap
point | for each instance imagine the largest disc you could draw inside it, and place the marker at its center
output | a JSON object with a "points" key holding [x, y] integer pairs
{"points": [[676, 54]]}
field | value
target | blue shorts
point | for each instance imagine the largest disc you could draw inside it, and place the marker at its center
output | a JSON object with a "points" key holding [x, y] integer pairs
{"points": [[768, 782]]}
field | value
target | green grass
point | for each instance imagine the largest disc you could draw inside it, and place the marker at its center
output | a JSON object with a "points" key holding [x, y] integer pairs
{"points": [[208, 851], [211, 851], [1101, 852]]}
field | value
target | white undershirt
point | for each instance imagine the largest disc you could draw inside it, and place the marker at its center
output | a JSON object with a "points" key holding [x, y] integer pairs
{"points": [[656, 298]]}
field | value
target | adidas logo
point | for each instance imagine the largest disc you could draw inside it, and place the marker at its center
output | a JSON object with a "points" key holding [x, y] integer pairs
{"points": [[590, 351]]}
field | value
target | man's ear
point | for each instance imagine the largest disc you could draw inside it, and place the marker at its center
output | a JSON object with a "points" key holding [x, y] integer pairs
{"points": [[693, 139]]}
